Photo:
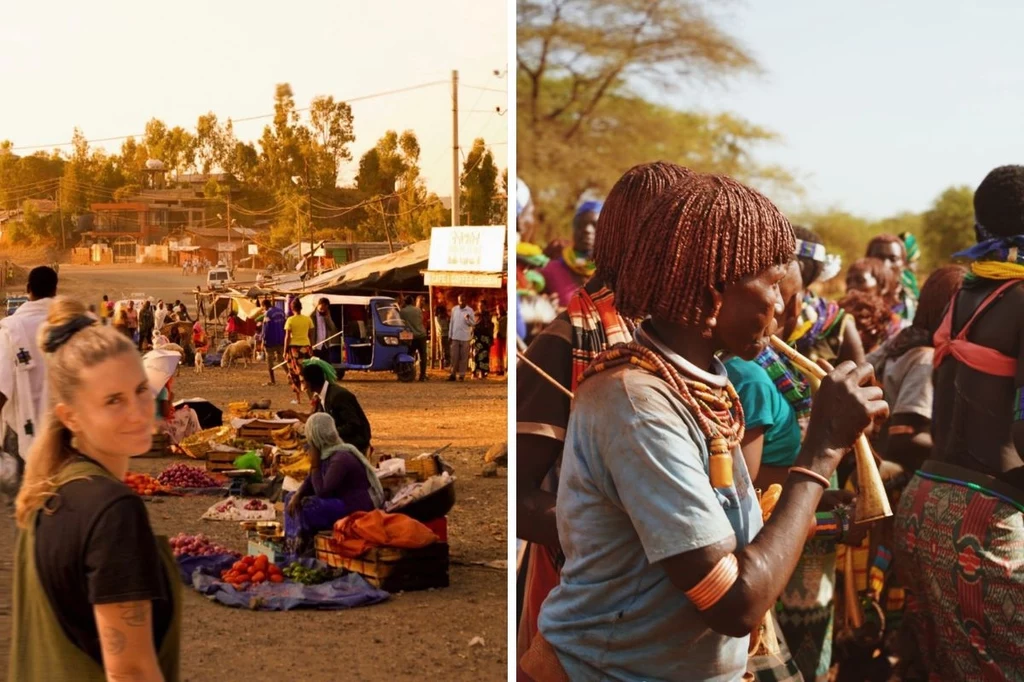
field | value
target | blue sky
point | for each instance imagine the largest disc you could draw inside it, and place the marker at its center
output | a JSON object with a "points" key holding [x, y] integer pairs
{"points": [[881, 105], [109, 66]]}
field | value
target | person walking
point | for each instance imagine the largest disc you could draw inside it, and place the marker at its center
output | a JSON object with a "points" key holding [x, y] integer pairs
{"points": [[323, 329], [273, 336], [501, 341], [483, 337], [22, 370], [441, 322], [460, 329], [412, 313], [159, 315], [105, 310], [131, 322], [297, 329], [147, 321]]}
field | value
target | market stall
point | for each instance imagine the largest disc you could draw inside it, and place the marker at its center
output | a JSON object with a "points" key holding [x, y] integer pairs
{"points": [[467, 261], [253, 457]]}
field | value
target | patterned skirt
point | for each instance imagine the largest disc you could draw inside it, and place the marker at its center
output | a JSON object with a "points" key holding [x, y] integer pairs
{"points": [[295, 356], [960, 552]]}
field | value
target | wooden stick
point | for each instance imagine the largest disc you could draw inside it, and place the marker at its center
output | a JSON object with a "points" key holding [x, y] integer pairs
{"points": [[544, 374]]}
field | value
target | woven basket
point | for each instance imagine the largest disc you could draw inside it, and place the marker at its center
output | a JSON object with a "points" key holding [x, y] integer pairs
{"points": [[199, 444]]}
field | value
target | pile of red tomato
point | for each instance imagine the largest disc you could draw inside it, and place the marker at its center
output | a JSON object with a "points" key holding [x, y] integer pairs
{"points": [[252, 570]]}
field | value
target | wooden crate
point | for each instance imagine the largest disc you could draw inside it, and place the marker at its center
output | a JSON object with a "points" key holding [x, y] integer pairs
{"points": [[221, 461], [422, 469], [390, 568], [273, 549]]}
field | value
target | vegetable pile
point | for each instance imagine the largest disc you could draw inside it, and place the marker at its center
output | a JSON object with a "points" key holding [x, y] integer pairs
{"points": [[255, 505], [197, 545], [144, 484], [308, 576], [252, 570], [185, 476]]}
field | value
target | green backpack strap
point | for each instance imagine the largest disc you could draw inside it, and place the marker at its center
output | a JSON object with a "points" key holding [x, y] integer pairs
{"points": [[78, 469]]}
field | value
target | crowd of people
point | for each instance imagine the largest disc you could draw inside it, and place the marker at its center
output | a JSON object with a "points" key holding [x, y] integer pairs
{"points": [[195, 266], [686, 493]]}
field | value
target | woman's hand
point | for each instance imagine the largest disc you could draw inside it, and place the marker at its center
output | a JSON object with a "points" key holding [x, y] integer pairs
{"points": [[314, 458], [846, 404]]}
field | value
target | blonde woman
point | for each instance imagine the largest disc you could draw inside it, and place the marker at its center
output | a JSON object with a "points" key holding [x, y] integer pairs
{"points": [[95, 592]]}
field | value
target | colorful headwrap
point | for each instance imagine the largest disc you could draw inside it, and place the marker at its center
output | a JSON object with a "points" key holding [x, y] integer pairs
{"points": [[913, 250], [815, 252], [818, 253], [588, 206], [522, 196], [1000, 258]]}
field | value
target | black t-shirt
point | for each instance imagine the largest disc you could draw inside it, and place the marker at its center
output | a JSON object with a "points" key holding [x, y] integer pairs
{"points": [[97, 547]]}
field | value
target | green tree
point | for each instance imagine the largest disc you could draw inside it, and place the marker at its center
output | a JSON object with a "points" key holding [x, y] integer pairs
{"points": [[948, 226], [331, 127], [479, 185]]}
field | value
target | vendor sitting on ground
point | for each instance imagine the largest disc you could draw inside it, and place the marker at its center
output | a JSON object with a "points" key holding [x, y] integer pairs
{"points": [[177, 423], [200, 340], [340, 482], [340, 403]]}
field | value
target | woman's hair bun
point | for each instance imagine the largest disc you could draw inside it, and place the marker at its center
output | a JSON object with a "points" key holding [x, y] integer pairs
{"points": [[65, 318]]}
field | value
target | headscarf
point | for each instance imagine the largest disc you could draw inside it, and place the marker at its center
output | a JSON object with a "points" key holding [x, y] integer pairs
{"points": [[323, 435], [587, 206], [328, 369]]}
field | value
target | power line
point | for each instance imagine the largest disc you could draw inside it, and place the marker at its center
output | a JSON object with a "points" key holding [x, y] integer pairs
{"points": [[481, 87], [360, 98]]}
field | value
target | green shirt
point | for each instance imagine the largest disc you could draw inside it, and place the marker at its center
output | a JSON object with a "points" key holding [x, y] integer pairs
{"points": [[764, 407]]}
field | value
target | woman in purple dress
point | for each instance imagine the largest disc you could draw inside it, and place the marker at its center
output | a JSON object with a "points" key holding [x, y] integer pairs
{"points": [[340, 482]]}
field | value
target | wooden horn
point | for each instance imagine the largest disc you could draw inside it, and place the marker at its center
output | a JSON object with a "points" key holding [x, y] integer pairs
{"points": [[872, 502]]}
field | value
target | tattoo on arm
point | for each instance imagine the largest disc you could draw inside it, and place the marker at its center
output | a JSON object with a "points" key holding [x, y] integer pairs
{"points": [[133, 614], [113, 641]]}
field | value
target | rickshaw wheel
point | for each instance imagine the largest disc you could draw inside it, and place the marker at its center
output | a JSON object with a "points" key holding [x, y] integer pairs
{"points": [[406, 372]]}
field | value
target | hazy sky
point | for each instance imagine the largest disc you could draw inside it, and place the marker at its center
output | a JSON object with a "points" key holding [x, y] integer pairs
{"points": [[108, 67], [882, 105]]}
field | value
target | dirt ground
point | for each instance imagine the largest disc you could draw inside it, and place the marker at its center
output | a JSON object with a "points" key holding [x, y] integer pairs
{"points": [[411, 636]]}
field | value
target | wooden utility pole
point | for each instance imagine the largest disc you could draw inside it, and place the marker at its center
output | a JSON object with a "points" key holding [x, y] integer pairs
{"points": [[309, 214], [60, 211], [456, 181]]}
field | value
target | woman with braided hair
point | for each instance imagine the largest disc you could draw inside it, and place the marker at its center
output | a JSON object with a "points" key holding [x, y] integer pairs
{"points": [[668, 566], [563, 350]]}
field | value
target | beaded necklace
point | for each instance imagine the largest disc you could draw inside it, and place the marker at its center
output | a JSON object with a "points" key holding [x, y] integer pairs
{"points": [[718, 412]]}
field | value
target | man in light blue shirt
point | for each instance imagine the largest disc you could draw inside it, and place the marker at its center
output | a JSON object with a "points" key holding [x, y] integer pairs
{"points": [[460, 331]]}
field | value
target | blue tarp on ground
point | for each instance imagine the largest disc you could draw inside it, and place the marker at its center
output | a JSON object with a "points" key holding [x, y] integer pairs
{"points": [[202, 573]]}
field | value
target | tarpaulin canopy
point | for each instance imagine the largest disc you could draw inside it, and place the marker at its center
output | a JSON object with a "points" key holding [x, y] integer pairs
{"points": [[398, 271]]}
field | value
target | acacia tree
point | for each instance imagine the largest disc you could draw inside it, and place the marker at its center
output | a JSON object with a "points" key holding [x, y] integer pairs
{"points": [[583, 115]]}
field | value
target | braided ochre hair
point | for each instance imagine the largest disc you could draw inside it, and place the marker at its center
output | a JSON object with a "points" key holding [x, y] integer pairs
{"points": [[707, 232]]}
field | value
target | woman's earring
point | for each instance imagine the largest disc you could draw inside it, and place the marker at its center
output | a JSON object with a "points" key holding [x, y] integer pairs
{"points": [[712, 321]]}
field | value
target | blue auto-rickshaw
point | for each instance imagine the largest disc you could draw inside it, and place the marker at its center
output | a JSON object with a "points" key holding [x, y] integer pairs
{"points": [[374, 336]]}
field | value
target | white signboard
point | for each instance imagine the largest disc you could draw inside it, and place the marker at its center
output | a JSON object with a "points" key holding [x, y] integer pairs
{"points": [[467, 249], [254, 249]]}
